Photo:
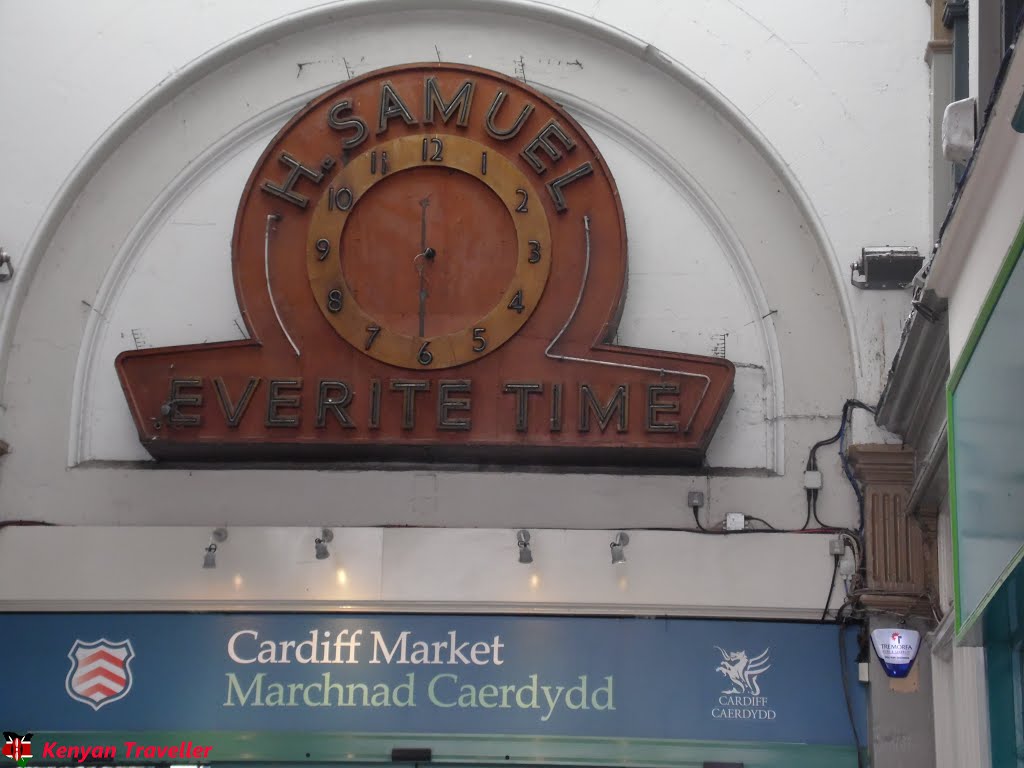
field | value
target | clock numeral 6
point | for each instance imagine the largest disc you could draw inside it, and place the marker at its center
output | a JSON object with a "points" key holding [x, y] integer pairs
{"points": [[334, 300], [525, 198], [534, 252], [323, 247], [425, 357], [517, 302], [372, 330], [479, 342]]}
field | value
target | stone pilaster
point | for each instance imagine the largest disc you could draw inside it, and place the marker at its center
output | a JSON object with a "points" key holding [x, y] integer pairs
{"points": [[900, 547]]}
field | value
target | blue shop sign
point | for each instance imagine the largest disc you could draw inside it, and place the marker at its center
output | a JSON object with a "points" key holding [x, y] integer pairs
{"points": [[678, 679]]}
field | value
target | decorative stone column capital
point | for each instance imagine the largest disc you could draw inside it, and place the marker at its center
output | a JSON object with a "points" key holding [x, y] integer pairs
{"points": [[898, 550]]}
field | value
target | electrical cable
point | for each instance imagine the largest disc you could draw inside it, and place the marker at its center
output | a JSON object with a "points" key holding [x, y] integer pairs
{"points": [[814, 508], [831, 586], [763, 522], [853, 482], [812, 493], [849, 405], [846, 686], [838, 437], [696, 519]]}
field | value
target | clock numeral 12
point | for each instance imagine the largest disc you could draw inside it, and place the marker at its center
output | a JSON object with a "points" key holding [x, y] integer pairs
{"points": [[517, 302], [438, 150]]}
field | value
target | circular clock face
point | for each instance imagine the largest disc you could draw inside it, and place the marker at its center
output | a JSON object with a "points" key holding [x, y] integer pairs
{"points": [[428, 251]]}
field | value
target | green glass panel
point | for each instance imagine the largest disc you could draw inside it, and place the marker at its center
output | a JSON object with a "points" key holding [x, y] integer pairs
{"points": [[1004, 666], [1018, 117], [987, 422]]}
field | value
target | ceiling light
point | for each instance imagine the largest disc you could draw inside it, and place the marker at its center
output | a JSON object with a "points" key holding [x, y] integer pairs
{"points": [[619, 548], [219, 536], [320, 544], [525, 555]]}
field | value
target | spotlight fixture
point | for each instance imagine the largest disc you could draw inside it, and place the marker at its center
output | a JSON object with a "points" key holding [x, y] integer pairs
{"points": [[320, 543], [525, 555], [619, 548], [219, 536]]}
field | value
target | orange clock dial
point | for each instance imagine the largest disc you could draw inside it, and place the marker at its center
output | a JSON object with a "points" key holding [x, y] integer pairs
{"points": [[425, 251]]}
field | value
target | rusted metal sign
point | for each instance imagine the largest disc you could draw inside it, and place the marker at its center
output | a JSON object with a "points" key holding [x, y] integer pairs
{"points": [[431, 262]]}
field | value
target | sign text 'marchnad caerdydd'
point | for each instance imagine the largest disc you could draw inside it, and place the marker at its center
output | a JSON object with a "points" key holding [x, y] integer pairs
{"points": [[442, 689]]}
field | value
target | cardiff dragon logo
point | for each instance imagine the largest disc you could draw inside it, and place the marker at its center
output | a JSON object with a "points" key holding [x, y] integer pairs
{"points": [[743, 671]]}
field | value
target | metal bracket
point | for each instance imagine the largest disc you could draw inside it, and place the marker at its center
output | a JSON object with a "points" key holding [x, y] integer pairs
{"points": [[6, 267], [887, 268]]}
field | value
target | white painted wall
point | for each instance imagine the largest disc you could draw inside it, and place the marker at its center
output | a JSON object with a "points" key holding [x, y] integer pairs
{"points": [[412, 569], [775, 140]]}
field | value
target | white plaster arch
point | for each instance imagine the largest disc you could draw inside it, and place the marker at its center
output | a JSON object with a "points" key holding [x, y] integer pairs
{"points": [[185, 83], [178, 81]]}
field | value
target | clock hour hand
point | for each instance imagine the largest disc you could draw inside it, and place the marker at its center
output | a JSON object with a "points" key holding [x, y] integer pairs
{"points": [[426, 254]]}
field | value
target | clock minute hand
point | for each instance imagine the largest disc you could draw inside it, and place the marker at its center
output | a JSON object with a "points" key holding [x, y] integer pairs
{"points": [[425, 253]]}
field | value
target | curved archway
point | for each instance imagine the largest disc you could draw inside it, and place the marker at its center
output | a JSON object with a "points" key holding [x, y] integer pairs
{"points": [[774, 247]]}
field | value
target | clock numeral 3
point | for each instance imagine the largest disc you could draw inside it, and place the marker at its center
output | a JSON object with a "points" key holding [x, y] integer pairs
{"points": [[517, 302], [323, 247], [534, 252], [372, 330], [425, 357], [479, 342], [522, 208], [437, 155], [334, 300]]}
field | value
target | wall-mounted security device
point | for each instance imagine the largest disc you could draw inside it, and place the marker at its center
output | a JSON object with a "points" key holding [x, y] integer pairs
{"points": [[887, 268], [896, 649]]}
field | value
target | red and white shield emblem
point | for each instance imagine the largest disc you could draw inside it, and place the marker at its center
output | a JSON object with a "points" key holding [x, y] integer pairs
{"points": [[99, 672]]}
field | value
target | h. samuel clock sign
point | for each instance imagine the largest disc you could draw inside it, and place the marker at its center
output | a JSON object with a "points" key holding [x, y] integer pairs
{"points": [[431, 263]]}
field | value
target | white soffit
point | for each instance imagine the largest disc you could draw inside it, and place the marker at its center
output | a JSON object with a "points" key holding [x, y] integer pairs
{"points": [[374, 569]]}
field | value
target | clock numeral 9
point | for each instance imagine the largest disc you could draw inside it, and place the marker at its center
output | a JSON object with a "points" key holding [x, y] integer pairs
{"points": [[372, 330], [479, 342], [334, 300], [323, 247], [517, 302], [425, 357], [438, 150], [522, 208], [534, 252]]}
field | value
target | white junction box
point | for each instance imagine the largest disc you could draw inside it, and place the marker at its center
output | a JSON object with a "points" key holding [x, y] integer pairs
{"points": [[735, 521], [812, 479]]}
